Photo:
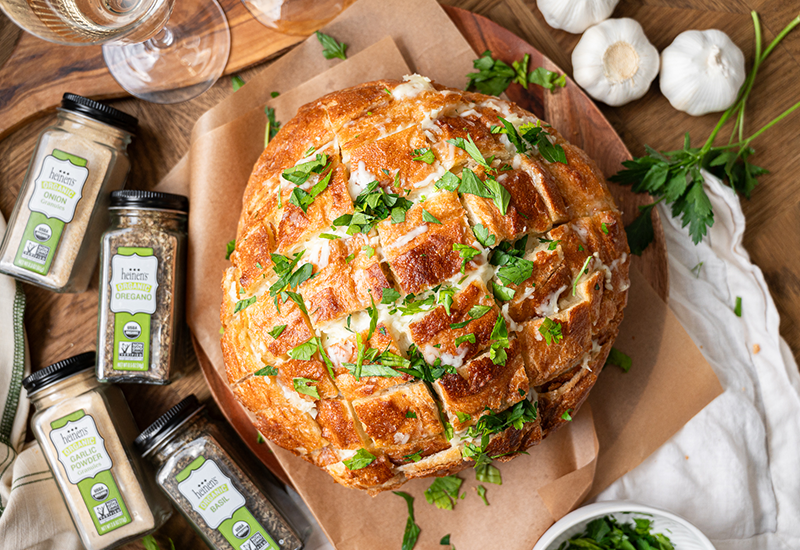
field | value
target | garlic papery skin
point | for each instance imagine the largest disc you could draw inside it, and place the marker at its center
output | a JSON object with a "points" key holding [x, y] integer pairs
{"points": [[615, 62], [702, 72], [575, 16]]}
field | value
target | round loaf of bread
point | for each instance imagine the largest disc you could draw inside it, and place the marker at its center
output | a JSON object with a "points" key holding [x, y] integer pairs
{"points": [[424, 280]]}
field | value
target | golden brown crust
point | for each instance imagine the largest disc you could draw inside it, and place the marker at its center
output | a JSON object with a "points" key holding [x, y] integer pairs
{"points": [[576, 251]]}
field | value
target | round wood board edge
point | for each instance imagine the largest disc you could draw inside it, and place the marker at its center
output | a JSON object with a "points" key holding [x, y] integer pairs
{"points": [[573, 114]]}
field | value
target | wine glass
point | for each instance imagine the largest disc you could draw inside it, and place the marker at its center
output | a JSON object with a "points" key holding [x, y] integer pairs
{"points": [[158, 50], [295, 16]]}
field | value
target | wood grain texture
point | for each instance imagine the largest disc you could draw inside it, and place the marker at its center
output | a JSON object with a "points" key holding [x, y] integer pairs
{"points": [[63, 325], [38, 72]]}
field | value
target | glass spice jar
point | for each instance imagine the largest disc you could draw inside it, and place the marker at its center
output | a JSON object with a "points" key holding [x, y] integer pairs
{"points": [[85, 431], [54, 231], [142, 276], [211, 486]]}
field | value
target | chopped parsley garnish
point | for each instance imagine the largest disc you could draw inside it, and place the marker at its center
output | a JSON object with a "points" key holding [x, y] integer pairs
{"points": [[482, 493], [303, 385], [411, 414], [242, 304], [331, 47], [465, 338], [475, 312], [329, 236], [516, 271], [424, 155], [445, 540], [607, 533], [553, 243], [443, 492], [483, 236], [463, 417], [547, 79], [267, 371], [551, 331], [277, 331], [413, 457], [370, 252], [373, 369], [494, 76], [305, 351], [584, 269], [539, 138], [416, 365], [566, 416], [488, 189], [500, 342], [449, 182], [236, 82], [371, 206], [231, 246], [696, 269], [466, 252], [738, 309], [299, 174], [350, 258], [360, 460], [502, 292], [468, 145], [604, 228], [287, 276], [430, 218], [303, 199], [389, 296], [488, 474], [411, 533], [444, 296], [274, 94], [271, 131], [619, 359]]}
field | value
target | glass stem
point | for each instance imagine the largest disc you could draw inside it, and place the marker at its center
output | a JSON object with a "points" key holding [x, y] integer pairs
{"points": [[163, 39]]}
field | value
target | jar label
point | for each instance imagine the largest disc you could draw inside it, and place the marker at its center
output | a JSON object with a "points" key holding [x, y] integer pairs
{"points": [[213, 495], [82, 452], [56, 192], [134, 281]]}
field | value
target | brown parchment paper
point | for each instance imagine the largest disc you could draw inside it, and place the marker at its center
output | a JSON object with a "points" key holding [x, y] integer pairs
{"points": [[634, 413]]}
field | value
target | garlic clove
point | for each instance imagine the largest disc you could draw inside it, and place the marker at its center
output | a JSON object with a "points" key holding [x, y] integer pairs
{"points": [[702, 72], [615, 62], [575, 16]]}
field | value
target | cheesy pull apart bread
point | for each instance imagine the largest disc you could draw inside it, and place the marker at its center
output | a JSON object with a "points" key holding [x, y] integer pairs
{"points": [[424, 280]]}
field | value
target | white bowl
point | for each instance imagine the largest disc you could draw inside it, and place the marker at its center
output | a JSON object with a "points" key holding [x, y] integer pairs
{"points": [[684, 535]]}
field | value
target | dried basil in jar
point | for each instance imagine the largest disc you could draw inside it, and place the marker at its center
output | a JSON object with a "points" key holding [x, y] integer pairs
{"points": [[86, 432], [52, 234], [209, 483], [142, 280]]}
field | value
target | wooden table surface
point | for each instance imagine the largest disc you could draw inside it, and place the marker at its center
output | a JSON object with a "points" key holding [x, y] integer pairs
{"points": [[63, 325]]}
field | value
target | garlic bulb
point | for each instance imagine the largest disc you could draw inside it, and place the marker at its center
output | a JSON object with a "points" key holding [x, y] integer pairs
{"points": [[701, 72], [614, 62], [575, 16]]}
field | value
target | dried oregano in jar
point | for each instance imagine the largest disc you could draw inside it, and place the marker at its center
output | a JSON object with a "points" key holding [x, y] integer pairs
{"points": [[54, 230], [213, 487], [142, 259]]}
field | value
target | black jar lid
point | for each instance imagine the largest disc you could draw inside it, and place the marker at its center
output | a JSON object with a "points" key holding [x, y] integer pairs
{"points": [[100, 112], [167, 422], [59, 371], [139, 198]]}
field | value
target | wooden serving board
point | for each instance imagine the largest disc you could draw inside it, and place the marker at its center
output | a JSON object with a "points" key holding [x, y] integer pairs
{"points": [[572, 113]]}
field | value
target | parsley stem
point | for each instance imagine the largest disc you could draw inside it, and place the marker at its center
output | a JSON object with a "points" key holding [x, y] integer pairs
{"points": [[770, 124]]}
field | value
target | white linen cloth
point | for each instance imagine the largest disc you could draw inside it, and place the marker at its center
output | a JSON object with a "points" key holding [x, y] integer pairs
{"points": [[32, 513], [734, 469]]}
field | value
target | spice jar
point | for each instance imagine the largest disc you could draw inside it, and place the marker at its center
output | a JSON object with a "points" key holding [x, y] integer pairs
{"points": [[54, 230], [211, 486], [143, 263], [85, 431]]}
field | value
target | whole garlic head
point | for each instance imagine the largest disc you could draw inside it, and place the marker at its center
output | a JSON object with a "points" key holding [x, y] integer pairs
{"points": [[575, 16], [614, 62], [701, 72]]}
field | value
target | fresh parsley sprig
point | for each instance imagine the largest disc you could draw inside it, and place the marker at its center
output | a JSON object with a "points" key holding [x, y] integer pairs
{"points": [[494, 76], [331, 47], [675, 176]]}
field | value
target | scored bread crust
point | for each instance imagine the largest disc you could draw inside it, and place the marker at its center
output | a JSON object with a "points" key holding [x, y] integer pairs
{"points": [[576, 242]]}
